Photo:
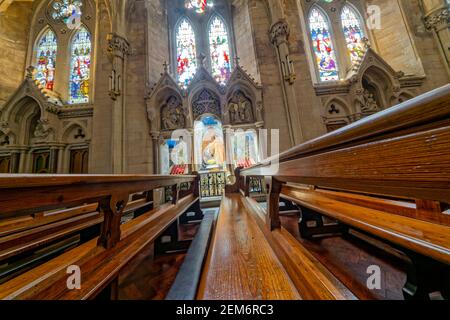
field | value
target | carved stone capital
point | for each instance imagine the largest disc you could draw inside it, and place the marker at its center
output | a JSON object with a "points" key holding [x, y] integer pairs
{"points": [[118, 46], [279, 32], [438, 19]]}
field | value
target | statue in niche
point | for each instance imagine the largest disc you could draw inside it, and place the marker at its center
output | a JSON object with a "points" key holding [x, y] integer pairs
{"points": [[42, 130], [240, 108], [172, 115], [369, 104]]}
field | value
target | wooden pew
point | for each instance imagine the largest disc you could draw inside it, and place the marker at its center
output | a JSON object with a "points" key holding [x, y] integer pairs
{"points": [[100, 258], [387, 175]]}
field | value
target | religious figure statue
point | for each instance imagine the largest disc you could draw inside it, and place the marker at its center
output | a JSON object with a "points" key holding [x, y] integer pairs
{"points": [[240, 109], [42, 130], [369, 105], [213, 151], [179, 153], [172, 115]]}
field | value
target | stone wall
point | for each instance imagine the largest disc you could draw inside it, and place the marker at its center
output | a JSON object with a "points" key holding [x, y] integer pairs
{"points": [[138, 144], [14, 30], [274, 110], [245, 38], [100, 152]]}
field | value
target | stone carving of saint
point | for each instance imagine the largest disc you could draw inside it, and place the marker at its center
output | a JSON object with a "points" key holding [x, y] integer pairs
{"points": [[240, 109], [370, 105], [41, 131], [173, 115]]}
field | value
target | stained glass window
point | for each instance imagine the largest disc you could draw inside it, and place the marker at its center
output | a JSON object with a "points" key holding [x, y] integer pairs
{"points": [[64, 9], [219, 50], [46, 60], [323, 46], [198, 5], [186, 53], [80, 67], [353, 33]]}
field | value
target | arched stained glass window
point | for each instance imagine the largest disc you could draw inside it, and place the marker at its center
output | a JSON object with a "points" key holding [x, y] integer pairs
{"points": [[353, 32], [219, 47], [46, 60], [186, 53], [323, 46], [80, 65]]}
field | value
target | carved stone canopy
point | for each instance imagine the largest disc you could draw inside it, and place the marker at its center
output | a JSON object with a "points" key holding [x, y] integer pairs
{"points": [[279, 32], [206, 102]]}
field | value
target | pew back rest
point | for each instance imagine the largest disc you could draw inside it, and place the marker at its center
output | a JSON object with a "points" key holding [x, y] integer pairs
{"points": [[397, 161]]}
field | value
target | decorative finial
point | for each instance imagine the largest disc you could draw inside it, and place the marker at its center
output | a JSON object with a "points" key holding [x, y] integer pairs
{"points": [[236, 61]]}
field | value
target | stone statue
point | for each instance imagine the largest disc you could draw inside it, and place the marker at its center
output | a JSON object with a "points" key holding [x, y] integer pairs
{"points": [[369, 105], [240, 108], [172, 115], [42, 130]]}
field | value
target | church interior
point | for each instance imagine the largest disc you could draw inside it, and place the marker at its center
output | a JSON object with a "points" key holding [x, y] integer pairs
{"points": [[225, 150]]}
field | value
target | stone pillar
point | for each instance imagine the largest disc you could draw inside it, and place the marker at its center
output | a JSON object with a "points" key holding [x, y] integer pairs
{"points": [[436, 16], [118, 48], [53, 160], [279, 34], [15, 162], [156, 142]]}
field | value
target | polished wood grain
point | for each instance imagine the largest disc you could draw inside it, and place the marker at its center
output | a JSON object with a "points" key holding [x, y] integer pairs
{"points": [[425, 111], [427, 238], [13, 225], [416, 166], [25, 194], [311, 278], [99, 266], [241, 264], [431, 211]]}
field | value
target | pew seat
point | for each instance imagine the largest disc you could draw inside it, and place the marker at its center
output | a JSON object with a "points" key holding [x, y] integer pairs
{"points": [[427, 238], [99, 265], [246, 261]]}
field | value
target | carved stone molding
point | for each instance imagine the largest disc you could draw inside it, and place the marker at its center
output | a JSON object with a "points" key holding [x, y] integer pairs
{"points": [[279, 32]]}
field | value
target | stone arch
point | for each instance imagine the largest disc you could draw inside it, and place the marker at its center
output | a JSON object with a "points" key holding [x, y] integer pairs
{"points": [[378, 83], [205, 100], [74, 129], [337, 114]]}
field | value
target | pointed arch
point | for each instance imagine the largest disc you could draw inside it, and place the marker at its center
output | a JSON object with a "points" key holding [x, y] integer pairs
{"points": [[46, 49], [186, 52], [322, 44], [80, 64], [353, 29], [219, 49]]}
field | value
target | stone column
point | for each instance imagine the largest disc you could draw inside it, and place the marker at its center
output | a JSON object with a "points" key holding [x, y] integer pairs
{"points": [[15, 161], [279, 34], [118, 48], [437, 20], [156, 142], [53, 160]]}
